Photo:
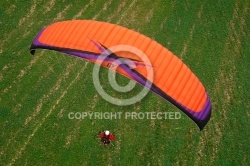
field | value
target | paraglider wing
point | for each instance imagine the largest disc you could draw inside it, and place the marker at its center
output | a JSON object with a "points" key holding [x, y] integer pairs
{"points": [[173, 80]]}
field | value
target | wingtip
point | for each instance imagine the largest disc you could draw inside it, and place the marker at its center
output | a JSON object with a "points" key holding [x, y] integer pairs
{"points": [[202, 124], [32, 51]]}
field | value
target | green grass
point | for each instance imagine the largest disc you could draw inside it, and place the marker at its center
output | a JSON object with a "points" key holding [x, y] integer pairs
{"points": [[212, 38]]}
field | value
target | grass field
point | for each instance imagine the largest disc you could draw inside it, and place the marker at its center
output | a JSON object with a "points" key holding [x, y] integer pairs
{"points": [[37, 92]]}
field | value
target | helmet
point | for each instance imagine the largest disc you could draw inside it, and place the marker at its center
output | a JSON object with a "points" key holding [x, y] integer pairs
{"points": [[106, 132]]}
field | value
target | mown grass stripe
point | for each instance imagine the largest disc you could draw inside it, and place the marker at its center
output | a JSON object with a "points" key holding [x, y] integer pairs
{"points": [[104, 8], [125, 12], [22, 73], [79, 14], [225, 77], [20, 151]]}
